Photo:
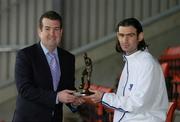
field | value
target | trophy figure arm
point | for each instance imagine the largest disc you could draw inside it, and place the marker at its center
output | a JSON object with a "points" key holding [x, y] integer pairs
{"points": [[84, 73], [82, 83]]}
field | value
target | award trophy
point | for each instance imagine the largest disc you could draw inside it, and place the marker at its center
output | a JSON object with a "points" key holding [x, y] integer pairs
{"points": [[86, 77]]}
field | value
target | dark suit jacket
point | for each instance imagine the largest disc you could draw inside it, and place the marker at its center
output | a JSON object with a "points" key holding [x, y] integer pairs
{"points": [[36, 100]]}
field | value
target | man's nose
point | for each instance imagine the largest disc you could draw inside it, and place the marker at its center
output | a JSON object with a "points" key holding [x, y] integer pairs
{"points": [[52, 32], [125, 39]]}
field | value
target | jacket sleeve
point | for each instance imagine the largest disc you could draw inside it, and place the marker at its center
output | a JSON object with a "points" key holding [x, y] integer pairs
{"points": [[140, 97]]}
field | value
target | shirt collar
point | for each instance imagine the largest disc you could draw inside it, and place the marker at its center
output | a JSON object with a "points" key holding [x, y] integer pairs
{"points": [[133, 54], [46, 51]]}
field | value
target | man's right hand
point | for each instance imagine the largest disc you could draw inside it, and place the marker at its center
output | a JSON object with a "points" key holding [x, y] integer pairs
{"points": [[66, 96]]}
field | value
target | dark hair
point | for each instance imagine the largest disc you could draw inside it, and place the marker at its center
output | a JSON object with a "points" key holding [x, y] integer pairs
{"points": [[136, 24], [50, 15]]}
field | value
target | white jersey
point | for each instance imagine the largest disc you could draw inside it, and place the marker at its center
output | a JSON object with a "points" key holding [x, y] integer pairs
{"points": [[141, 95]]}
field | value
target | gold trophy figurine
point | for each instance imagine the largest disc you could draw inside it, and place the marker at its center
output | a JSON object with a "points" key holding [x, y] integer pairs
{"points": [[86, 77]]}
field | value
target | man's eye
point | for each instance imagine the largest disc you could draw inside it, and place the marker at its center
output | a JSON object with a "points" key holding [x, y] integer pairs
{"points": [[131, 35], [57, 29], [46, 28], [121, 35]]}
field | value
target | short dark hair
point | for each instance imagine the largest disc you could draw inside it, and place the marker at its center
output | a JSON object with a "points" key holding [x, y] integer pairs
{"points": [[50, 15], [136, 24]]}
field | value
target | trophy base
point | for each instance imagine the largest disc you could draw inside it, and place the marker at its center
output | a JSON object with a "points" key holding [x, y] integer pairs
{"points": [[83, 93], [86, 93]]}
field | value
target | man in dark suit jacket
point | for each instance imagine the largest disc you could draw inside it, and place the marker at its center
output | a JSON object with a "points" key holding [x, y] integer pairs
{"points": [[38, 99]]}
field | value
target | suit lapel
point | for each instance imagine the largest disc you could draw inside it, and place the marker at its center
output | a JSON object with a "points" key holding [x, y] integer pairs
{"points": [[60, 56], [44, 66]]}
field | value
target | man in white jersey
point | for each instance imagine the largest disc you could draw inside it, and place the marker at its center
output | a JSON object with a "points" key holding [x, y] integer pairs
{"points": [[141, 95]]}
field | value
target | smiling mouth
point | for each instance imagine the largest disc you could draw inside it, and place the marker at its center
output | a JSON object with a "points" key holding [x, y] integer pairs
{"points": [[125, 46], [52, 39]]}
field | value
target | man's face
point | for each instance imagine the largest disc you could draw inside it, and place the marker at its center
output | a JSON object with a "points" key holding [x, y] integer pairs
{"points": [[128, 39], [51, 33]]}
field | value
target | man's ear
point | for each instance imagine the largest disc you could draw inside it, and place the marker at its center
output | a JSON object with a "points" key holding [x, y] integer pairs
{"points": [[140, 36], [117, 34], [61, 32], [38, 30]]}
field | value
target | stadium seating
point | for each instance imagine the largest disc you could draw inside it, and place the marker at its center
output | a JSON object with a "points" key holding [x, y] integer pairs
{"points": [[171, 57], [170, 112]]}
